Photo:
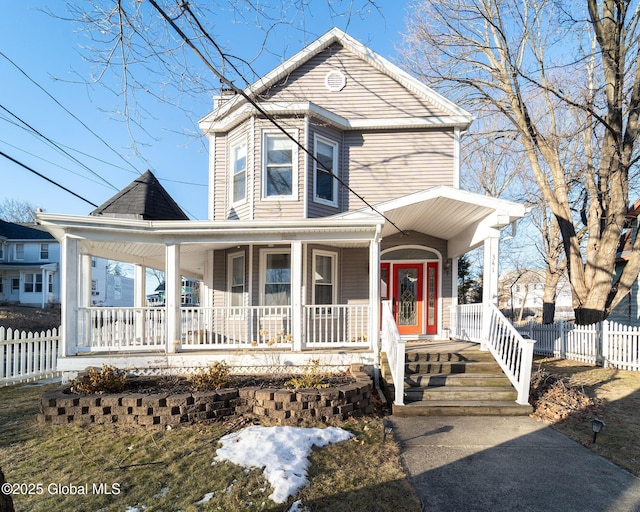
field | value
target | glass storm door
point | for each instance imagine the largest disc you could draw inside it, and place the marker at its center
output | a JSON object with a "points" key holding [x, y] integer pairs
{"points": [[408, 297], [432, 298]]}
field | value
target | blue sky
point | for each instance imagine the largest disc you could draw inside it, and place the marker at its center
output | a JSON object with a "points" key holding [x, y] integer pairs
{"points": [[50, 51]]}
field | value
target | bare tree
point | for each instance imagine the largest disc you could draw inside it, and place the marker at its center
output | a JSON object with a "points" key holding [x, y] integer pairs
{"points": [[537, 63], [16, 210], [137, 54]]}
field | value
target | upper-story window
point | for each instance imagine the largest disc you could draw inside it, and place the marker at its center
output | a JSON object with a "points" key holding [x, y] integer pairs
{"points": [[325, 186], [239, 173], [44, 251], [19, 251], [278, 169]]}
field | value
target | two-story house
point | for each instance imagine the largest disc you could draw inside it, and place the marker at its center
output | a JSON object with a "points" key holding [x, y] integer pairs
{"points": [[29, 273], [334, 187]]}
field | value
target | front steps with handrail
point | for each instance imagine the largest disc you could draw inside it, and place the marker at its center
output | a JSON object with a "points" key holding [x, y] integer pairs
{"points": [[448, 378]]}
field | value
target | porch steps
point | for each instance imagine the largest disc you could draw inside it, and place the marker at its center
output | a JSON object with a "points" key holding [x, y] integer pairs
{"points": [[452, 379]]}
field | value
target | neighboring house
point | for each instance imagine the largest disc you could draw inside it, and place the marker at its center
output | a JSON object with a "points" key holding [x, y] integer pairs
{"points": [[628, 312], [190, 293], [291, 257], [109, 289], [522, 291], [29, 272]]}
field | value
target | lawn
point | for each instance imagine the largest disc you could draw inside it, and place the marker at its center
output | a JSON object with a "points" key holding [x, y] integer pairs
{"points": [[619, 391], [107, 467]]}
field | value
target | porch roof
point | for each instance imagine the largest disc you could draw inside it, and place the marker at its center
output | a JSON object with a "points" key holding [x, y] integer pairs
{"points": [[465, 219], [144, 242]]}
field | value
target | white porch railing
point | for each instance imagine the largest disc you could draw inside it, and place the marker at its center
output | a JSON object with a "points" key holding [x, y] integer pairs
{"points": [[337, 325], [394, 346], [236, 327], [513, 353], [27, 356], [106, 329]]}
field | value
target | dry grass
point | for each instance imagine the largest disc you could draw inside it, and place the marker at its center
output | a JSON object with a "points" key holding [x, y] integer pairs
{"points": [[29, 319], [620, 392], [171, 470]]}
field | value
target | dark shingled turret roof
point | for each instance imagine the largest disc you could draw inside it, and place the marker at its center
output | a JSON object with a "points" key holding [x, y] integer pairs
{"points": [[143, 199]]}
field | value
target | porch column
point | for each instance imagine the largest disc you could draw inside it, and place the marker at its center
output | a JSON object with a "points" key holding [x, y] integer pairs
{"points": [[85, 281], [374, 294], [489, 281], [206, 291], [140, 301], [69, 296], [296, 295], [173, 296], [43, 294], [139, 286]]}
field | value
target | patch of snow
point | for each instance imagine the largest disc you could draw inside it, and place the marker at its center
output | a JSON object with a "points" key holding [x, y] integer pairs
{"points": [[163, 492], [297, 507], [206, 498], [283, 452]]}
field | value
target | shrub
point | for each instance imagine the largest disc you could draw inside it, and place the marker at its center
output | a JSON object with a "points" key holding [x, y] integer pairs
{"points": [[107, 379], [311, 378], [214, 377]]}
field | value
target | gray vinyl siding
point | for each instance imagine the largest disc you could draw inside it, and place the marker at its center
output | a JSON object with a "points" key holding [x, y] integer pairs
{"points": [[385, 165], [317, 209], [368, 92], [354, 275], [220, 177], [274, 209], [219, 278]]}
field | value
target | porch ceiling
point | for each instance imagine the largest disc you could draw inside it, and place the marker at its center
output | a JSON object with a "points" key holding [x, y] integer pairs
{"points": [[464, 219], [144, 242]]}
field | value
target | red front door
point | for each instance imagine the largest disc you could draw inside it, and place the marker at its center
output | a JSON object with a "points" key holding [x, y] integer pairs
{"points": [[408, 297]]}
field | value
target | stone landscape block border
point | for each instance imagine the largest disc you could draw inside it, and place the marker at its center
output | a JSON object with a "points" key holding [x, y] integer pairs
{"points": [[284, 406]]}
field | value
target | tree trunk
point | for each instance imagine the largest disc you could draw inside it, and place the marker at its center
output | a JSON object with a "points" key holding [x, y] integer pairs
{"points": [[552, 276], [587, 316]]}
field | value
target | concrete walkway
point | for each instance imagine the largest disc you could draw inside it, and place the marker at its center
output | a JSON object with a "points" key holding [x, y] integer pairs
{"points": [[466, 464]]}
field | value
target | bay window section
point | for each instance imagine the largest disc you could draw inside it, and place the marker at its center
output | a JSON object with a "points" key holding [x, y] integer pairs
{"points": [[278, 166], [325, 185], [239, 173], [276, 279]]}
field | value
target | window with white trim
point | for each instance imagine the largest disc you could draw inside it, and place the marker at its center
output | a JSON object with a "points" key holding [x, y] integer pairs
{"points": [[324, 277], [325, 186], [19, 251], [15, 285], [50, 283], [238, 191], [276, 278], [44, 251], [33, 283], [1, 251], [278, 167], [236, 279]]}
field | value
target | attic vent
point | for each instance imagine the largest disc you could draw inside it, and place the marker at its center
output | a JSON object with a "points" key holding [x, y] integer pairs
{"points": [[335, 80]]}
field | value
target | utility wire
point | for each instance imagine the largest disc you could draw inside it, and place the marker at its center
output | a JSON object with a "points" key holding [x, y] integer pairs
{"points": [[57, 146], [254, 103], [2, 153], [70, 113]]}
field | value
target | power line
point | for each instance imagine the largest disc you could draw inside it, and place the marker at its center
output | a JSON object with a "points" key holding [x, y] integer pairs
{"points": [[237, 90], [69, 155], [70, 113], [45, 178]]}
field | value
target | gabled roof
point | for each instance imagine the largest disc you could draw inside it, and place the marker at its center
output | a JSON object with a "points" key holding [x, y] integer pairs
{"points": [[335, 35], [144, 198], [23, 231]]}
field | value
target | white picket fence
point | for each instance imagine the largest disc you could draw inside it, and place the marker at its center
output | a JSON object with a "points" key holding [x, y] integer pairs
{"points": [[28, 356], [607, 343]]}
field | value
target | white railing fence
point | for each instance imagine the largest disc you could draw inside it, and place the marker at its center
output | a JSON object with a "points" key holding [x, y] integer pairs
{"points": [[112, 328], [329, 326], [487, 325], [236, 327], [394, 346], [28, 356], [606, 343], [513, 353]]}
